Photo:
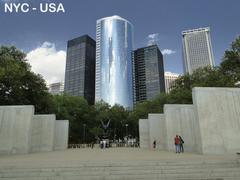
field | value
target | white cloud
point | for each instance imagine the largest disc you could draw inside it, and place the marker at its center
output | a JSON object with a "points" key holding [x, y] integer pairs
{"points": [[152, 39], [168, 52], [48, 62], [153, 36]]}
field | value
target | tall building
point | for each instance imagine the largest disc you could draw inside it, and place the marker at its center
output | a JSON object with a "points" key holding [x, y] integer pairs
{"points": [[114, 81], [80, 68], [197, 49], [148, 73], [56, 88], [169, 80]]}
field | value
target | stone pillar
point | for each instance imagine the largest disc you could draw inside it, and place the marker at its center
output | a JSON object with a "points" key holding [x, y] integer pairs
{"points": [[181, 120], [157, 130], [15, 129], [61, 134], [43, 132], [144, 133], [218, 114]]}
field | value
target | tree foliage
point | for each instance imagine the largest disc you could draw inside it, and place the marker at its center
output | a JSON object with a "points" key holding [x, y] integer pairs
{"points": [[231, 61], [78, 112], [18, 85]]}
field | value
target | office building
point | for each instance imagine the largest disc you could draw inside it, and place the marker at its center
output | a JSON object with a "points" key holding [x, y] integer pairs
{"points": [[80, 68], [197, 49], [56, 88], [114, 44], [148, 73], [169, 80]]}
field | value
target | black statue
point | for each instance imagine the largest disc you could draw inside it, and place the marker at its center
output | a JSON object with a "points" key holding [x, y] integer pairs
{"points": [[105, 126]]}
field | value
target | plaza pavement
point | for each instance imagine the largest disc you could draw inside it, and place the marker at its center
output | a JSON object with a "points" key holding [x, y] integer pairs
{"points": [[118, 163]]}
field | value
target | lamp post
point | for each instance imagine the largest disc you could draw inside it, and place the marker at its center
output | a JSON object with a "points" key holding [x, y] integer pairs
{"points": [[114, 135], [126, 130], [84, 133], [122, 129]]}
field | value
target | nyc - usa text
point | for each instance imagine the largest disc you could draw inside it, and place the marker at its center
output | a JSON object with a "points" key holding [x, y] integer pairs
{"points": [[26, 7]]}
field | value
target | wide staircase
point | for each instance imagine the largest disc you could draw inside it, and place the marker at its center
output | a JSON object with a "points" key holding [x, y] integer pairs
{"points": [[165, 169]]}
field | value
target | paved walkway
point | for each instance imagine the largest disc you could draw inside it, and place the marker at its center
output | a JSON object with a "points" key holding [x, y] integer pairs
{"points": [[73, 157]]}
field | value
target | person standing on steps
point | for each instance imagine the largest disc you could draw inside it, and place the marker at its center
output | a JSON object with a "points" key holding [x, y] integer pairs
{"points": [[181, 144], [177, 144]]}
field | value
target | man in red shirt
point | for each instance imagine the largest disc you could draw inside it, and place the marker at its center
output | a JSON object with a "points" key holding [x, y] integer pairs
{"points": [[177, 143]]}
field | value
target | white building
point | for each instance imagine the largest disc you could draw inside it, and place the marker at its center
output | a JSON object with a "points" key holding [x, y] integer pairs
{"points": [[56, 88], [197, 49], [169, 80]]}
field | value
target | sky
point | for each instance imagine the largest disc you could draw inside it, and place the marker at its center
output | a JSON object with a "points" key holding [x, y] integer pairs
{"points": [[43, 36]]}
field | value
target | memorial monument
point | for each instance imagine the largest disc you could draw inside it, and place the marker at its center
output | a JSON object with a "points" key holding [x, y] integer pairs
{"points": [[211, 125], [23, 132]]}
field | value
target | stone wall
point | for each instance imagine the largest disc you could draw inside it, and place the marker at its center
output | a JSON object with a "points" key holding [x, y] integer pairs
{"points": [[144, 133], [15, 129], [22, 132], [61, 135], [43, 133], [180, 120], [218, 113], [157, 131]]}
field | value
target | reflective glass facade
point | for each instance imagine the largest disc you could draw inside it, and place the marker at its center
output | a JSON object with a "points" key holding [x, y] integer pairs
{"points": [[148, 73], [114, 83]]}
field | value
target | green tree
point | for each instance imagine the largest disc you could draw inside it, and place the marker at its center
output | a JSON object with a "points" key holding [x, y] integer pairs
{"points": [[230, 65], [119, 118], [18, 85], [80, 115], [102, 111], [96, 131], [202, 77]]}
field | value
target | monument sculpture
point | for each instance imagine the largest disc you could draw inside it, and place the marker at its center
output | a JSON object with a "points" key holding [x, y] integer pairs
{"points": [[105, 142], [210, 125]]}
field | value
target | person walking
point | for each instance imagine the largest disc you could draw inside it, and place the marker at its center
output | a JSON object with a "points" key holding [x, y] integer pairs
{"points": [[181, 144], [92, 144], [154, 144], [177, 144]]}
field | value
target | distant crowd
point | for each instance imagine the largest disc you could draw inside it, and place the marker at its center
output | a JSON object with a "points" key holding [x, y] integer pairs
{"points": [[106, 143]]}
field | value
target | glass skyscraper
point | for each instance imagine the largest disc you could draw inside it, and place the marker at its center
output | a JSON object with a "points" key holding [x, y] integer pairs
{"points": [[114, 44], [148, 73], [80, 68], [197, 49]]}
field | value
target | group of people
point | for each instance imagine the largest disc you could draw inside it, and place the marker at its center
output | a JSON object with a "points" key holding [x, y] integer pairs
{"points": [[104, 144], [178, 141]]}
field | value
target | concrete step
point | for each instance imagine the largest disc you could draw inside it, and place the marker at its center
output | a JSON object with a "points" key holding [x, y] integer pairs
{"points": [[145, 177], [201, 172], [120, 164], [167, 170], [118, 168]]}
